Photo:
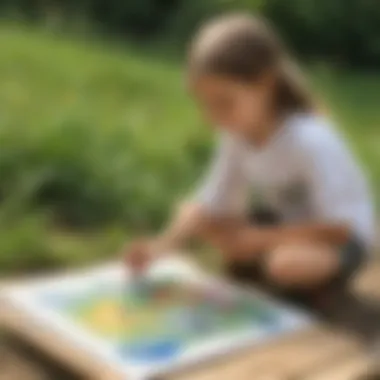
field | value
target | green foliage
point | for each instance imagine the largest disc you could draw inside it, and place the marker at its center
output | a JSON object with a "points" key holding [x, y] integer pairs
{"points": [[352, 98], [94, 137], [346, 31], [23, 245], [29, 244]]}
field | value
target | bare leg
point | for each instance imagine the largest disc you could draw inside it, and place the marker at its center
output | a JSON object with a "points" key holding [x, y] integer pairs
{"points": [[301, 266]]}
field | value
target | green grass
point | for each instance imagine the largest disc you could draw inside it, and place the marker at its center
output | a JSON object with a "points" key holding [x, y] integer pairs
{"points": [[96, 127], [353, 100], [92, 135]]}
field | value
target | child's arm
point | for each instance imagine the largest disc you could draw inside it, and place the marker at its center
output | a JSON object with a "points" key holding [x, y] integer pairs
{"points": [[181, 228], [221, 194], [237, 238], [141, 253], [249, 241]]}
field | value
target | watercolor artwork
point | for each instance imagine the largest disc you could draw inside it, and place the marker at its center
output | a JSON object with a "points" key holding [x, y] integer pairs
{"points": [[174, 317]]}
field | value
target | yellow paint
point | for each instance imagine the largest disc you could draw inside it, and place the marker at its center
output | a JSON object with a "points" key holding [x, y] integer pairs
{"points": [[109, 319], [105, 318]]}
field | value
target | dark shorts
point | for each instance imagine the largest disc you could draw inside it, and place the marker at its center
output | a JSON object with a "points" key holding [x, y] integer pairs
{"points": [[352, 257]]}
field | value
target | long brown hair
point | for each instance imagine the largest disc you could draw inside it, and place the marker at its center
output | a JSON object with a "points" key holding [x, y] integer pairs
{"points": [[245, 47]]}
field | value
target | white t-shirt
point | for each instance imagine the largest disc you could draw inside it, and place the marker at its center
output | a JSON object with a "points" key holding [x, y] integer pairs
{"points": [[305, 173]]}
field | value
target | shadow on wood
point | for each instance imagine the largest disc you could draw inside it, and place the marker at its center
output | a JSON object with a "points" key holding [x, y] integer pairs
{"points": [[36, 364], [357, 314]]}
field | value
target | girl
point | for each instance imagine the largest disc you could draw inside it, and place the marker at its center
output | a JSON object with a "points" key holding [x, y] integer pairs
{"points": [[312, 221]]}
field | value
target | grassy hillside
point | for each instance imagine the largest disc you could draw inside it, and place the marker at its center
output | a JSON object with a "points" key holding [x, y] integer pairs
{"points": [[353, 100], [97, 137]]}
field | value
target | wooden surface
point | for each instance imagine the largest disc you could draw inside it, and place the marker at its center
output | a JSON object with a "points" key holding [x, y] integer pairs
{"points": [[346, 347]]}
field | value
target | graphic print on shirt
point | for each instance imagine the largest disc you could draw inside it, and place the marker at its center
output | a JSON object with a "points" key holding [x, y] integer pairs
{"points": [[293, 201]]}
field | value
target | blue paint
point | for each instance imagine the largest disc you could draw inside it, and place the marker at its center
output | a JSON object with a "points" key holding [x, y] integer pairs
{"points": [[151, 351]]}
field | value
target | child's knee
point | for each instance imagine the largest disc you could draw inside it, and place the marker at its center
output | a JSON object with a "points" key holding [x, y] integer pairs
{"points": [[281, 266], [300, 265]]}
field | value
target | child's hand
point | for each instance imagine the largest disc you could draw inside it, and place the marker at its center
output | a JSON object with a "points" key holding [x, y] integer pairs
{"points": [[138, 255]]}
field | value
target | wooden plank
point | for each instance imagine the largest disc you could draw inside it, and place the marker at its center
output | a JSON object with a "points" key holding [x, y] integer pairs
{"points": [[236, 366], [364, 313], [347, 369], [14, 367], [77, 360], [368, 282], [280, 360], [305, 359]]}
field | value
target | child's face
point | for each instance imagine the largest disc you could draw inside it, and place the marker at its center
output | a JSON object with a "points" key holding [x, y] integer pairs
{"points": [[238, 107]]}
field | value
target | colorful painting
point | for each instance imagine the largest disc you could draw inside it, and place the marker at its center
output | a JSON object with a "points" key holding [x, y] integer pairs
{"points": [[152, 325]]}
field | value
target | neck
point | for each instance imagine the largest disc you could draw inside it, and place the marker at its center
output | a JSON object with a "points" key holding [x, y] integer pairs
{"points": [[263, 131]]}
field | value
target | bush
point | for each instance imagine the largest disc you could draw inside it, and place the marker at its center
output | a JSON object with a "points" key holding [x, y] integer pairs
{"points": [[346, 31], [338, 30], [29, 244], [94, 137], [24, 245]]}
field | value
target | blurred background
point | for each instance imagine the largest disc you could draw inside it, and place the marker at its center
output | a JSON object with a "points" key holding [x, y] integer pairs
{"points": [[98, 137]]}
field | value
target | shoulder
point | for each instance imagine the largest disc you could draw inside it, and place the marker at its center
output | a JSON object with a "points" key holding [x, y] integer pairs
{"points": [[314, 134]]}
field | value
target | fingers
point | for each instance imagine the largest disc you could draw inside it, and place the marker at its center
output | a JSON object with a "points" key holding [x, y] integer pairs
{"points": [[138, 256]]}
